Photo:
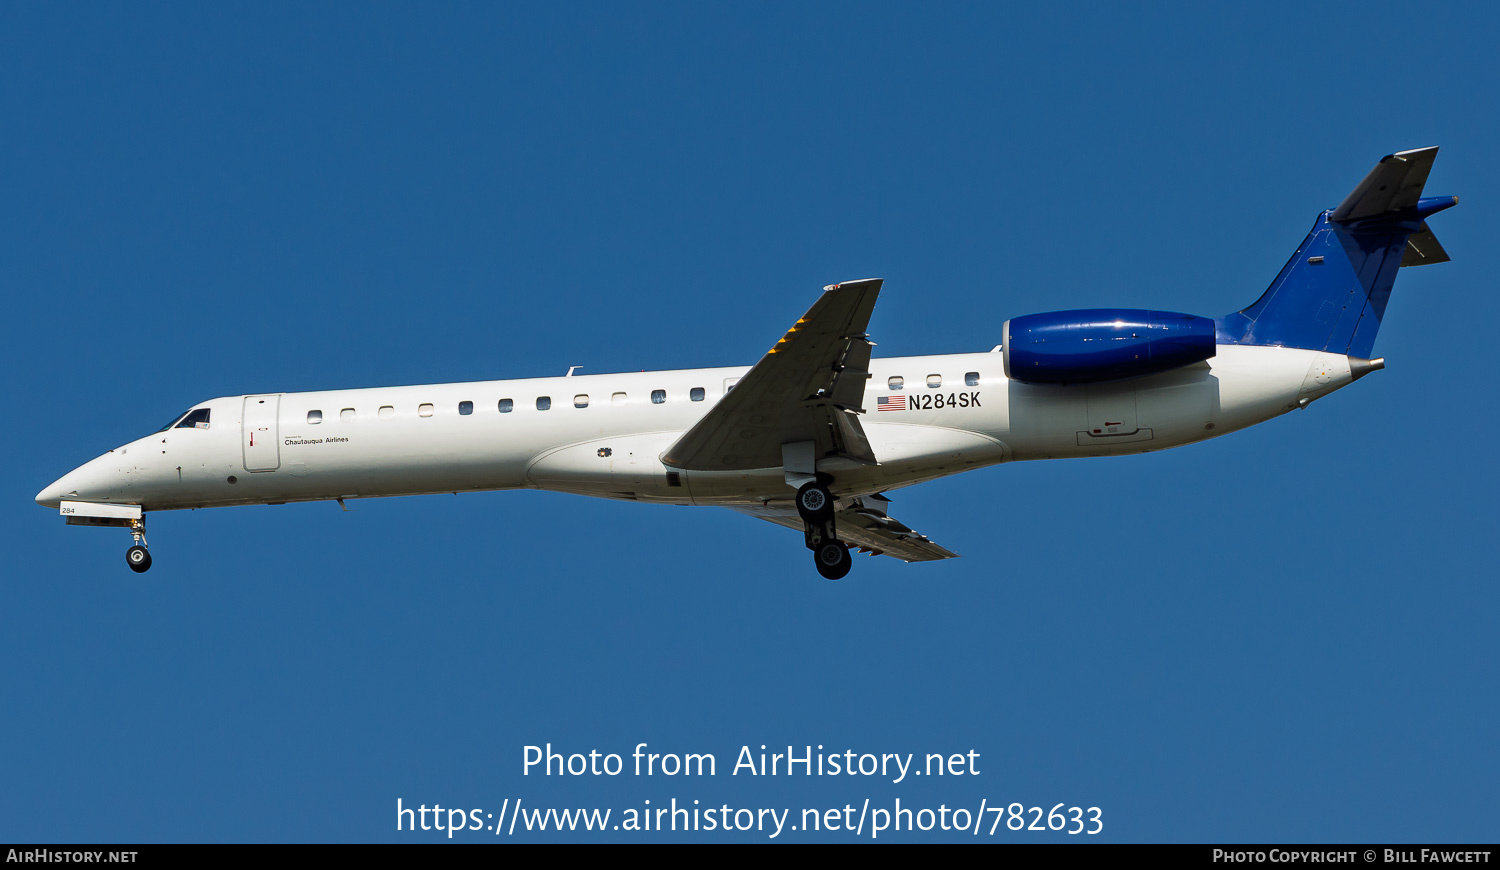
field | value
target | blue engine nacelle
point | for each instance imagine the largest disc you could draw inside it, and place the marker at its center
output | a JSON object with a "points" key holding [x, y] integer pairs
{"points": [[1103, 344]]}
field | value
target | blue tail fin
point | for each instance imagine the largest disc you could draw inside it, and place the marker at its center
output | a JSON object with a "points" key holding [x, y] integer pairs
{"points": [[1333, 292]]}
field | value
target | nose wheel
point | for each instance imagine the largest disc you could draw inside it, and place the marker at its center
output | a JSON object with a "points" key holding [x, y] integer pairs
{"points": [[138, 557]]}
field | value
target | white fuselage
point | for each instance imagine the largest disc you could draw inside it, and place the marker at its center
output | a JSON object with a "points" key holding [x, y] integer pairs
{"points": [[408, 440]]}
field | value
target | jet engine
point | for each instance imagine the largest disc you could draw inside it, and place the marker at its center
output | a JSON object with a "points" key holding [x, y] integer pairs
{"points": [[1103, 344]]}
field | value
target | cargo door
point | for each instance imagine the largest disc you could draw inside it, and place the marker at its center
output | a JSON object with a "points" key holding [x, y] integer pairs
{"points": [[1112, 409], [259, 436]]}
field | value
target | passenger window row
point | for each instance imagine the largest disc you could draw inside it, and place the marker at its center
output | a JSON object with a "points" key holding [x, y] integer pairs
{"points": [[581, 400], [505, 406], [934, 382]]}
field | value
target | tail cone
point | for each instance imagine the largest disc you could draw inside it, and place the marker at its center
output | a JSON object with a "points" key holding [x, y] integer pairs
{"points": [[1361, 367]]}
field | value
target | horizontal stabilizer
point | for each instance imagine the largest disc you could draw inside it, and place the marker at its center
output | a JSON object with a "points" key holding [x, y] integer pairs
{"points": [[1422, 248], [1394, 184]]}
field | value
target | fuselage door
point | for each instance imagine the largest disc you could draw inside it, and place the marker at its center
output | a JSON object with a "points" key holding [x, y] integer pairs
{"points": [[1112, 409], [260, 438]]}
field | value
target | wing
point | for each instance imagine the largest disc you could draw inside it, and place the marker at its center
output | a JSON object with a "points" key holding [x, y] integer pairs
{"points": [[809, 387], [866, 525]]}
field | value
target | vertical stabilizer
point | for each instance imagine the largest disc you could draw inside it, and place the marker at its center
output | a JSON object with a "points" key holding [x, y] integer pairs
{"points": [[1332, 294]]}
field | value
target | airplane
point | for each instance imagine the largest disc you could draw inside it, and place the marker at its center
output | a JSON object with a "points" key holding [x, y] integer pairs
{"points": [[798, 439]]}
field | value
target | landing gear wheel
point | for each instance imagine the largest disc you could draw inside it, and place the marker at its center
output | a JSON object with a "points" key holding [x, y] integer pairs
{"points": [[138, 559], [814, 502], [833, 560]]}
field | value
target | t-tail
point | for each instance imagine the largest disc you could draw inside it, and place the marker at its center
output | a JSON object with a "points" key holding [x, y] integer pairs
{"points": [[1333, 292]]}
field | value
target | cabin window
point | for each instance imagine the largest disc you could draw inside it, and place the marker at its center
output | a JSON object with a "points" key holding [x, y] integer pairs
{"points": [[507, 405], [314, 417], [387, 412], [196, 419], [658, 396], [617, 399], [465, 408], [971, 379], [696, 394], [424, 409], [934, 381], [896, 382], [347, 414], [544, 403], [581, 400]]}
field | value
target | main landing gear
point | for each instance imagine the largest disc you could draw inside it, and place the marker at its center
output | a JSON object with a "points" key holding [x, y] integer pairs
{"points": [[833, 560], [138, 557], [815, 505]]}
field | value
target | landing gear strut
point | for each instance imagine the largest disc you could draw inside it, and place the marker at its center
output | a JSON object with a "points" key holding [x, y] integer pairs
{"points": [[138, 557], [815, 504]]}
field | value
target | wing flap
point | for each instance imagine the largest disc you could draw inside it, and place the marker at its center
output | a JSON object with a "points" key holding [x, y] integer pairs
{"points": [[865, 525], [848, 436]]}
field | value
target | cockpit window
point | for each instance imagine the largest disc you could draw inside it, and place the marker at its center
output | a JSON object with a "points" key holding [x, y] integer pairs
{"points": [[196, 419], [170, 423]]}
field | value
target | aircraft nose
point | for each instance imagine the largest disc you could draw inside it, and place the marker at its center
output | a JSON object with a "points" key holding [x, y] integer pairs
{"points": [[88, 482], [51, 497], [55, 492]]}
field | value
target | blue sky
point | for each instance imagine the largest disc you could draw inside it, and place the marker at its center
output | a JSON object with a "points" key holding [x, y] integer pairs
{"points": [[1284, 634]]}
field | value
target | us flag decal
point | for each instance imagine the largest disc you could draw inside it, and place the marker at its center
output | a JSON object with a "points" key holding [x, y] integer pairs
{"points": [[890, 403]]}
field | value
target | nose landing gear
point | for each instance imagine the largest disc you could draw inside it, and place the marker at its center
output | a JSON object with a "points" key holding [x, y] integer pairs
{"points": [[138, 557], [114, 516]]}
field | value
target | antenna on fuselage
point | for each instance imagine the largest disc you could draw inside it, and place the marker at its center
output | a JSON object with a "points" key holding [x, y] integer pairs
{"points": [[571, 370]]}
